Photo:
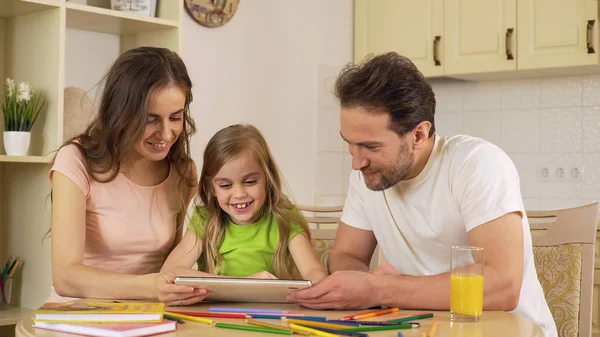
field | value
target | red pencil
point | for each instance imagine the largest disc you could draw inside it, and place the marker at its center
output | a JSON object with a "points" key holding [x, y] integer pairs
{"points": [[212, 314]]}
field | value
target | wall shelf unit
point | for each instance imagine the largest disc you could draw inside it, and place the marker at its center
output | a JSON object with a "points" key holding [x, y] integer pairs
{"points": [[33, 39]]}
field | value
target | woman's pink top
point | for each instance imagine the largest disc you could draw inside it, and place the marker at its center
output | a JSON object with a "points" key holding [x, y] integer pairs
{"points": [[129, 228]]}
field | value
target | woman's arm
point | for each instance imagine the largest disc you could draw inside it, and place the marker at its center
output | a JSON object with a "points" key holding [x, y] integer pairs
{"points": [[74, 279], [305, 258]]}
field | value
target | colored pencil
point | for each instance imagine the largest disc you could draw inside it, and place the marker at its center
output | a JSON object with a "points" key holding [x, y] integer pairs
{"points": [[211, 314], [319, 333], [381, 328], [432, 330], [267, 325], [173, 318], [319, 324], [358, 323], [247, 311], [252, 328], [400, 334], [273, 316], [410, 318], [370, 314], [189, 318], [342, 332]]}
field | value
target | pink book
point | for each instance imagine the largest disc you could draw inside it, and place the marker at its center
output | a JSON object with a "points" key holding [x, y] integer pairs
{"points": [[110, 330]]}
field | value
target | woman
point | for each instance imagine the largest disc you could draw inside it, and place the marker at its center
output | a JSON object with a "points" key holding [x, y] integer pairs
{"points": [[120, 190]]}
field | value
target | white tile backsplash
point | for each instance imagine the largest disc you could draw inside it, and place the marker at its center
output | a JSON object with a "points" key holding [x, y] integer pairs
{"points": [[520, 95], [591, 129], [486, 125], [553, 122], [326, 76], [561, 92], [561, 130], [521, 131]]}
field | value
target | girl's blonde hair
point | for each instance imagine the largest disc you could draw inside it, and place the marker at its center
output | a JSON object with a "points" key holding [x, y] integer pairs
{"points": [[224, 146]]}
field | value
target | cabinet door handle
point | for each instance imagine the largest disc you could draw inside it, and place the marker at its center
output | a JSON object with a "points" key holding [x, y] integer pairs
{"points": [[589, 36], [436, 44], [508, 43]]}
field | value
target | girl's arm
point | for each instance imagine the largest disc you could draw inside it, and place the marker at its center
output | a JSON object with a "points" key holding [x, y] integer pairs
{"points": [[184, 256], [305, 258], [74, 279]]}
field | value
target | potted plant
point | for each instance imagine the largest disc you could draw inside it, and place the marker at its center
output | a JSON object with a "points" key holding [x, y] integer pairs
{"points": [[20, 106]]}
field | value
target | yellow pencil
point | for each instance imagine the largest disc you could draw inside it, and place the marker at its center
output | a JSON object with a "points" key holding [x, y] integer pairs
{"points": [[267, 325], [190, 318], [317, 324], [312, 331], [432, 330]]}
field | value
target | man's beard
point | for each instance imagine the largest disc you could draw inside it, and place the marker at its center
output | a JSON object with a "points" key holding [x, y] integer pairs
{"points": [[389, 176]]}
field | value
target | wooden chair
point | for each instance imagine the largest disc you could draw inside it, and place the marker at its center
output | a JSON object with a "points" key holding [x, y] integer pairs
{"points": [[323, 221], [563, 248]]}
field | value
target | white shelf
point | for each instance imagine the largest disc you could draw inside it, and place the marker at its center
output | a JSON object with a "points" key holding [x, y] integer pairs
{"points": [[13, 315], [10, 8], [110, 21], [24, 159]]}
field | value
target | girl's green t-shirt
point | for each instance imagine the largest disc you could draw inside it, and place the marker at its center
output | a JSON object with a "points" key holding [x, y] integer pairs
{"points": [[245, 249]]}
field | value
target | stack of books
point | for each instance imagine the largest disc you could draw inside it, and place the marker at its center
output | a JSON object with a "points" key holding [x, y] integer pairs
{"points": [[118, 319]]}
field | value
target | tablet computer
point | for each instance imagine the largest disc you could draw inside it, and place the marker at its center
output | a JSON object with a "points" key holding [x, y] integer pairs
{"points": [[224, 289]]}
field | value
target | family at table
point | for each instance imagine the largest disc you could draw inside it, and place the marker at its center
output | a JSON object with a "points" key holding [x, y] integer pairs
{"points": [[121, 191]]}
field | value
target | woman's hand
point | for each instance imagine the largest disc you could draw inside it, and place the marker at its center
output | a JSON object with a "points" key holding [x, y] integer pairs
{"points": [[175, 294], [264, 275]]}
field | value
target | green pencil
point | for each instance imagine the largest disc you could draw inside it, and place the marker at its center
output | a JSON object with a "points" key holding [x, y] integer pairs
{"points": [[410, 318], [252, 328], [379, 328]]}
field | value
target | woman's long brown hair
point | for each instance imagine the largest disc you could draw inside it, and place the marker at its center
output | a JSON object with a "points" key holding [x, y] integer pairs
{"points": [[224, 146], [134, 78]]}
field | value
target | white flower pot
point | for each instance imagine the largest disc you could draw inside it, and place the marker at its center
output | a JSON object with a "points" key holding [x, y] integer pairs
{"points": [[16, 143]]}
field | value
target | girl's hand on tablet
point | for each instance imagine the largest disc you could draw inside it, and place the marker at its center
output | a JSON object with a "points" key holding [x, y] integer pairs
{"points": [[263, 275], [175, 294]]}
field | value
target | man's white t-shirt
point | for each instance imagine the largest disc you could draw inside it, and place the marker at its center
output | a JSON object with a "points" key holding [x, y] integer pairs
{"points": [[466, 182]]}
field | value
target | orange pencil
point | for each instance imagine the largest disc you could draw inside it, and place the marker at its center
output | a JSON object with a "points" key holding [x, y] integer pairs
{"points": [[370, 314]]}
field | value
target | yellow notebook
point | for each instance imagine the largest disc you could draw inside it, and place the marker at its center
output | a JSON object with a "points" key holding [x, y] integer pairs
{"points": [[94, 312]]}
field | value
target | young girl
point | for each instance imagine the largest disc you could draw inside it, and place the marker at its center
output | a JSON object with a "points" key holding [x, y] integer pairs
{"points": [[246, 226], [120, 190]]}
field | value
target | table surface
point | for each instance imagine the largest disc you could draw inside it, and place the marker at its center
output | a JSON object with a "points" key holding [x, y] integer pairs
{"points": [[492, 324]]}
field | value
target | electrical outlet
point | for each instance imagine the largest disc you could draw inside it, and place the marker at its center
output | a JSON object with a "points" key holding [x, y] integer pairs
{"points": [[546, 172], [575, 173]]}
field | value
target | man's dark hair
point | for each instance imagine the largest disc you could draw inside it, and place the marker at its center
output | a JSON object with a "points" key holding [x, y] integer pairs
{"points": [[388, 83]]}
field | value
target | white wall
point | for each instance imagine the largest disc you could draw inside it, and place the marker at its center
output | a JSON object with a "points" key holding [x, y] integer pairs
{"points": [[88, 57], [261, 68]]}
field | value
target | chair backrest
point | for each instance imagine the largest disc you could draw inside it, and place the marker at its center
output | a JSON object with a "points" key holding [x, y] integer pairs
{"points": [[323, 221], [563, 248]]}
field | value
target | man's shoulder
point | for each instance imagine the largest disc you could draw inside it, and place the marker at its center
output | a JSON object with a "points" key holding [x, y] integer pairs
{"points": [[464, 147]]}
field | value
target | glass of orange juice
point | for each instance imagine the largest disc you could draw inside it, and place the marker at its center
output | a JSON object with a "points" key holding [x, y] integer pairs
{"points": [[466, 283]]}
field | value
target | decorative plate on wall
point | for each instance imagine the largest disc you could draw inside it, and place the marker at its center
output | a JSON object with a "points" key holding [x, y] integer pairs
{"points": [[211, 13]]}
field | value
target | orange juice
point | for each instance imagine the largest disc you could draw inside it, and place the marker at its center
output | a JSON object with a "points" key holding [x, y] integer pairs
{"points": [[466, 294]]}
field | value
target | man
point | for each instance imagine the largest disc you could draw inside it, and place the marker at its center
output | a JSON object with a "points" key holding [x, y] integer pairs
{"points": [[416, 194]]}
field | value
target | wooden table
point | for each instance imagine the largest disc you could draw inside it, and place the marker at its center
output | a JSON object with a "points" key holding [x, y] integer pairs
{"points": [[492, 324]]}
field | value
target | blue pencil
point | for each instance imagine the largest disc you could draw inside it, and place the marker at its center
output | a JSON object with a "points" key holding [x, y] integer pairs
{"points": [[306, 318], [247, 311]]}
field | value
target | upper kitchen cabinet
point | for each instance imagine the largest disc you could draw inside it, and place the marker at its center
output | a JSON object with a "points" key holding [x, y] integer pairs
{"points": [[557, 33], [412, 28], [479, 36]]}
